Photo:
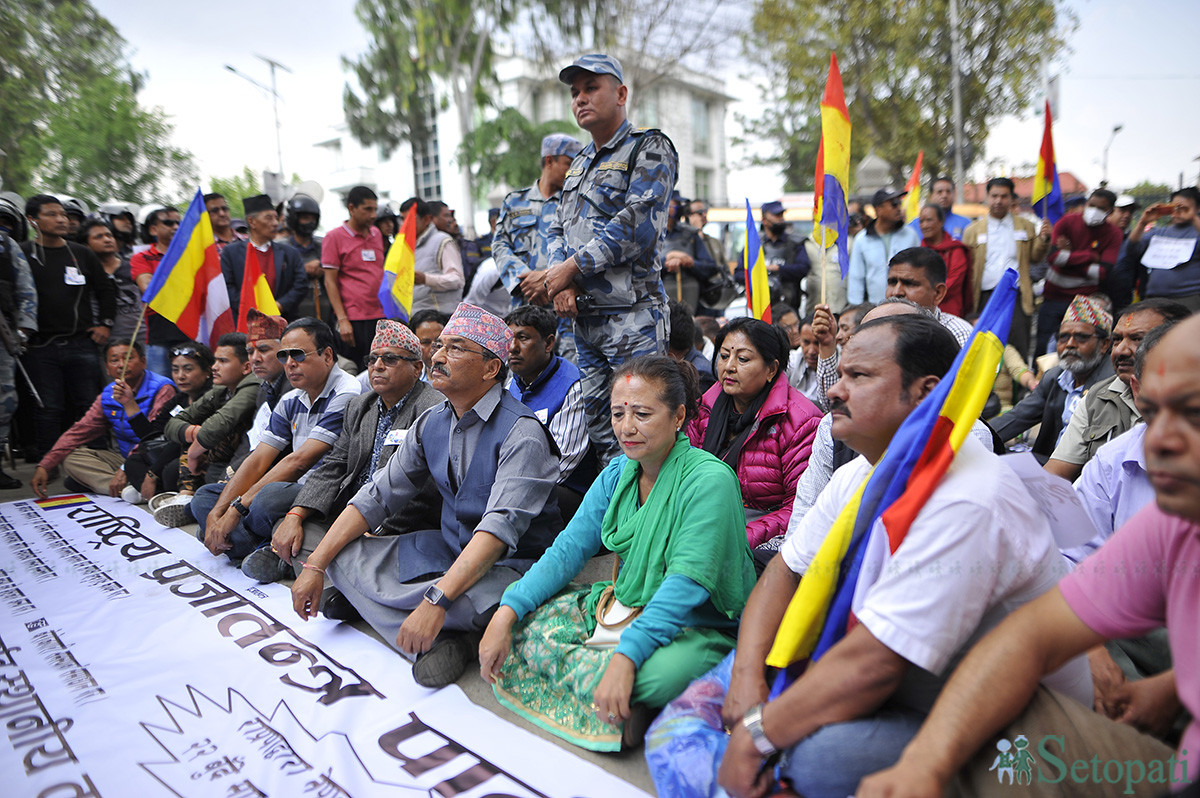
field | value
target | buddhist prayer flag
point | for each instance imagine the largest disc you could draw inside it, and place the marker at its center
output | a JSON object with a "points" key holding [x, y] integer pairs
{"points": [[256, 291], [396, 289], [758, 291], [833, 168], [188, 288], [873, 525], [912, 201], [1047, 194]]}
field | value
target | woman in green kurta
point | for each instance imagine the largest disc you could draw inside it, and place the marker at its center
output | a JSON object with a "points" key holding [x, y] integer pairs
{"points": [[673, 515]]}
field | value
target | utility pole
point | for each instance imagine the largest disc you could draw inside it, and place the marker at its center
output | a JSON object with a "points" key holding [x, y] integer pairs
{"points": [[1104, 168], [271, 90], [956, 96]]}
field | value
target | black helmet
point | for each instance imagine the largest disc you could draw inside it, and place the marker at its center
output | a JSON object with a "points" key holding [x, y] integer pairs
{"points": [[302, 203], [75, 207], [12, 215]]}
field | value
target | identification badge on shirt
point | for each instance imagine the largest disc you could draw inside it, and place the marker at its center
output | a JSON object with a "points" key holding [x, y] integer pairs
{"points": [[981, 238], [176, 410], [1020, 235], [368, 256], [72, 276], [543, 415], [395, 437]]}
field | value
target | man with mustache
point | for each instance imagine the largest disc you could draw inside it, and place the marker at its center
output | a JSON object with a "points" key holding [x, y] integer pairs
{"points": [[1109, 408], [430, 593], [1082, 351]]}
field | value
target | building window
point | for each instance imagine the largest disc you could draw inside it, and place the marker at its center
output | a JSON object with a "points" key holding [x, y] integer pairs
{"points": [[647, 110], [701, 140], [427, 164], [702, 188]]}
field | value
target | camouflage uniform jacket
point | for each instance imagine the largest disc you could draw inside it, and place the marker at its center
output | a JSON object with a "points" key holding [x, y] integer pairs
{"points": [[521, 243], [612, 217], [20, 302]]}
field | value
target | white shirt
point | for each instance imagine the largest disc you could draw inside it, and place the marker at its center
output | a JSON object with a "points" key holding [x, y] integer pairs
{"points": [[1001, 251], [979, 549]]}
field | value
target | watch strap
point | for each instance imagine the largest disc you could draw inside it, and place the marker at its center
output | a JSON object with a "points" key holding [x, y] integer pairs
{"points": [[752, 722], [435, 596]]}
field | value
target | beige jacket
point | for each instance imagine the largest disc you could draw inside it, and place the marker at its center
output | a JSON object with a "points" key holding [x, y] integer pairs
{"points": [[1033, 248]]}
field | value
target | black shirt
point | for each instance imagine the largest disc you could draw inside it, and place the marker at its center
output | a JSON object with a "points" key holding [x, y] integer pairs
{"points": [[67, 278]]}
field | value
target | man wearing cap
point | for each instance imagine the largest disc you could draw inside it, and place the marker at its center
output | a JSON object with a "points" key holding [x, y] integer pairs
{"points": [[262, 342], [375, 425], [238, 517], [495, 467], [785, 256], [1083, 341], [521, 244], [607, 262], [279, 262], [875, 245]]}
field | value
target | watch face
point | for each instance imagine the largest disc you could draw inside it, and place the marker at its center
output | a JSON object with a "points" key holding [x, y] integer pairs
{"points": [[435, 596]]}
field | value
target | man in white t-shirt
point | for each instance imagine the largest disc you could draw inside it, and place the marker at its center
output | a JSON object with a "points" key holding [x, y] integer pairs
{"points": [[978, 549]]}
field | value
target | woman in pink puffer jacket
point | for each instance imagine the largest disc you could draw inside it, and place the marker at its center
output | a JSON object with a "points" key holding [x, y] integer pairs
{"points": [[757, 423]]}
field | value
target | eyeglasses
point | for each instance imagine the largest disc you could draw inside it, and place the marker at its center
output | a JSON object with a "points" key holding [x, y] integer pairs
{"points": [[169, 222], [1082, 338], [185, 351], [297, 355], [454, 350], [220, 209], [390, 360], [896, 203]]}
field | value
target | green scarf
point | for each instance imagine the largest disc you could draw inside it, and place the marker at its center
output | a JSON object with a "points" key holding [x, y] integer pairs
{"points": [[692, 523]]}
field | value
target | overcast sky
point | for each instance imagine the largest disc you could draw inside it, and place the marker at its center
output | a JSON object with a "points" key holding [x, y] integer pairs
{"points": [[1129, 66]]}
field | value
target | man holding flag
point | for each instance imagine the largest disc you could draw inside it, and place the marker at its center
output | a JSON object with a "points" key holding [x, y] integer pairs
{"points": [[277, 272], [976, 549]]}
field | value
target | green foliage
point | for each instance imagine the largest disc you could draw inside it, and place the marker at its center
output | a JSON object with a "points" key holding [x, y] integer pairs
{"points": [[896, 67], [1147, 193], [235, 188], [71, 118], [505, 150]]}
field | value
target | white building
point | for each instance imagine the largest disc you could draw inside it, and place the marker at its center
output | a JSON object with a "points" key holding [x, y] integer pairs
{"points": [[689, 107]]}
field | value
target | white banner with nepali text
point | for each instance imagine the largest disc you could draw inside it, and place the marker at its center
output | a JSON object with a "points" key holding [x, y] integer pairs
{"points": [[134, 663]]}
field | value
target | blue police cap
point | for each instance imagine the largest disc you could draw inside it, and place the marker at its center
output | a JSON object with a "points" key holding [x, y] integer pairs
{"points": [[596, 63], [775, 207], [560, 144]]}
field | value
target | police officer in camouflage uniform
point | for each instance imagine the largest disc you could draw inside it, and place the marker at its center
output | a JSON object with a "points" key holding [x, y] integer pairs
{"points": [[521, 243], [18, 304], [605, 240]]}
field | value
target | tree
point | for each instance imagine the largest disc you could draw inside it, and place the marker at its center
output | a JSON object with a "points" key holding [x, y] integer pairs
{"points": [[420, 50], [235, 188], [72, 120], [895, 63], [1147, 193], [505, 150]]}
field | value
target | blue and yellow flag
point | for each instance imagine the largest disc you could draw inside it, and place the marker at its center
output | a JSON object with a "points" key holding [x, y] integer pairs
{"points": [[396, 288], [758, 291], [833, 168], [873, 525]]}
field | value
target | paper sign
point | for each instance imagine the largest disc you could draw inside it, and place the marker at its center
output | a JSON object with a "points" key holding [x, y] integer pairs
{"points": [[1167, 253], [1057, 500]]}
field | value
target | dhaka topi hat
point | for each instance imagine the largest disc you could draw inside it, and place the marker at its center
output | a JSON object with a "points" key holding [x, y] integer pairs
{"points": [[389, 332], [476, 324], [559, 144], [1089, 311], [596, 63], [259, 326]]}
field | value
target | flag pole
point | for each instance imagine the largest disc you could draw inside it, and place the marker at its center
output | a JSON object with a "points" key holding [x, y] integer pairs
{"points": [[679, 284], [824, 276], [136, 329]]}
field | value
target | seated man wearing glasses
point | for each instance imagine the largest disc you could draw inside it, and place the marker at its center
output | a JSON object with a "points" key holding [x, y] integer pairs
{"points": [[376, 423], [1083, 341], [430, 593], [239, 518]]}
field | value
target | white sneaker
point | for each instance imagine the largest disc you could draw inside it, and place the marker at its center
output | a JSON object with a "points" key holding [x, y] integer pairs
{"points": [[175, 512], [160, 500], [132, 495]]}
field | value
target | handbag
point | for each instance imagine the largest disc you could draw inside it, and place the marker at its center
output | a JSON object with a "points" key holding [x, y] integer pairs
{"points": [[612, 617]]}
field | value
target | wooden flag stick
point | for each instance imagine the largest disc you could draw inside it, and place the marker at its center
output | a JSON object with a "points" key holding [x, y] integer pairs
{"points": [[136, 329], [824, 276], [679, 284]]}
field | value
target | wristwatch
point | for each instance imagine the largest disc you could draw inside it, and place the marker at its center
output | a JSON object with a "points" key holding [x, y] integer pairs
{"points": [[437, 598], [242, 509], [752, 722]]}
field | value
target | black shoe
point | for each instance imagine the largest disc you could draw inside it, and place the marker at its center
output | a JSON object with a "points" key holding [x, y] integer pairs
{"points": [[265, 566], [446, 661], [75, 487], [633, 733], [338, 608], [8, 481]]}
